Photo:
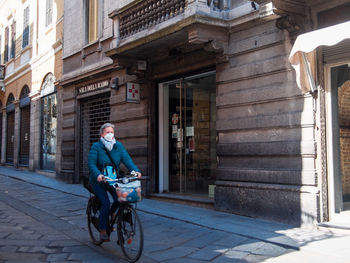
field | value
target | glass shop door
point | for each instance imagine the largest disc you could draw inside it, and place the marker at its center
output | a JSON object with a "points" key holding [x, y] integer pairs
{"points": [[191, 118]]}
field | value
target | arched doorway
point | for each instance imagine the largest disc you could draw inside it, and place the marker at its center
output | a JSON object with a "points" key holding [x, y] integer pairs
{"points": [[24, 105], [48, 123], [10, 131]]}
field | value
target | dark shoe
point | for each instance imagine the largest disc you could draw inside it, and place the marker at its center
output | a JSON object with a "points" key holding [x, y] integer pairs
{"points": [[104, 238]]}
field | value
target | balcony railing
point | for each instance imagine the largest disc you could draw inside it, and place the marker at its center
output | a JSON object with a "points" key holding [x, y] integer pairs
{"points": [[141, 18], [2, 72], [147, 14]]}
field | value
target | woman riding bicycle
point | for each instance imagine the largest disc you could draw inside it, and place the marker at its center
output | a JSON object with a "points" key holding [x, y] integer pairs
{"points": [[100, 156]]}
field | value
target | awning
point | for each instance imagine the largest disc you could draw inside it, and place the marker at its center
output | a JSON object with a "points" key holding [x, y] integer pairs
{"points": [[303, 55]]}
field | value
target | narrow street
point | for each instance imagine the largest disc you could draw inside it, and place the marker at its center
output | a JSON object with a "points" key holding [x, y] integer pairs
{"points": [[44, 225], [43, 220], [41, 224]]}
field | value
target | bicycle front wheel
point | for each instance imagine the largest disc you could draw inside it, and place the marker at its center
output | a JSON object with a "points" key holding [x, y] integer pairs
{"points": [[93, 213], [130, 233]]}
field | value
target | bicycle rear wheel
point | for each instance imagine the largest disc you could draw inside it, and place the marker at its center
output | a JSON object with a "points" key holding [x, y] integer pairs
{"points": [[130, 233], [93, 213]]}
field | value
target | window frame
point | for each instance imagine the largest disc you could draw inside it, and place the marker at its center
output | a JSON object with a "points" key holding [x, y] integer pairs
{"points": [[13, 40], [92, 33], [48, 12], [7, 46], [26, 27]]}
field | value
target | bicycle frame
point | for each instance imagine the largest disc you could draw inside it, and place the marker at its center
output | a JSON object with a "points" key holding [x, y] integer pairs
{"points": [[129, 227]]}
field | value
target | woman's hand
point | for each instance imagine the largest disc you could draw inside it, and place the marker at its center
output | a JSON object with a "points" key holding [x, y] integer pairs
{"points": [[138, 174], [101, 178]]}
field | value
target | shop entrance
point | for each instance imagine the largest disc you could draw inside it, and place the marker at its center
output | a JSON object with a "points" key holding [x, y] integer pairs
{"points": [[24, 138], [340, 118], [10, 137], [188, 135], [10, 131], [48, 132], [94, 112]]}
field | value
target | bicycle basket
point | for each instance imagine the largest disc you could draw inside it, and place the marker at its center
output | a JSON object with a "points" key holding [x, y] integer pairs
{"points": [[130, 192]]}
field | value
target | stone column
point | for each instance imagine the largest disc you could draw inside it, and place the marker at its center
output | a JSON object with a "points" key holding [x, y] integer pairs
{"points": [[35, 133], [4, 134], [16, 142], [59, 130]]}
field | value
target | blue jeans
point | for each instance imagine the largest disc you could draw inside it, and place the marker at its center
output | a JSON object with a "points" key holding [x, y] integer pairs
{"points": [[106, 208]]}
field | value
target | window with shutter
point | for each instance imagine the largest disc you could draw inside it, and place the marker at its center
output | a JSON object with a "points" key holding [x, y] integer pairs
{"points": [[92, 20], [25, 35]]}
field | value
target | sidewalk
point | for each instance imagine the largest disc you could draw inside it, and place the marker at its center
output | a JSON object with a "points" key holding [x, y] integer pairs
{"points": [[309, 244]]}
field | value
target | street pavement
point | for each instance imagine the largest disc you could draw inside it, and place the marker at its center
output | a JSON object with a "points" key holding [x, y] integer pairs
{"points": [[43, 220]]}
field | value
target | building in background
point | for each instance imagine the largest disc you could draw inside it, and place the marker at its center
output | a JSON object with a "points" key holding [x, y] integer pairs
{"points": [[205, 99], [31, 34]]}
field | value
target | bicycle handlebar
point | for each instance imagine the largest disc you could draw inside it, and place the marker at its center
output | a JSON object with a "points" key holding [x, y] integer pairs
{"points": [[125, 179]]}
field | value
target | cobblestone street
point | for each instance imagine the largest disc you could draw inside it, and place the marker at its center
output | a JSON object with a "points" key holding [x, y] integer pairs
{"points": [[43, 220], [45, 225]]}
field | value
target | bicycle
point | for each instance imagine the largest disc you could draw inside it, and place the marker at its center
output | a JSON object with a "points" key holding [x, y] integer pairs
{"points": [[129, 228]]}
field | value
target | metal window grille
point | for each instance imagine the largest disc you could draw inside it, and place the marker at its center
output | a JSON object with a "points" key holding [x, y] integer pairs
{"points": [[94, 113]]}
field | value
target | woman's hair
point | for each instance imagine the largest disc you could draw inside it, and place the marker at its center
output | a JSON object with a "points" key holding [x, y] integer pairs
{"points": [[106, 125]]}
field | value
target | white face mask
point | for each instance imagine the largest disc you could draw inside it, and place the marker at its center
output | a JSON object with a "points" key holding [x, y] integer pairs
{"points": [[109, 137]]}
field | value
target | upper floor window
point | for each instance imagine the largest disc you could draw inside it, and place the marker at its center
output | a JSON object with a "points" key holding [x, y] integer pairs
{"points": [[48, 86], [25, 35], [25, 92], [10, 99], [92, 20], [13, 39], [49, 5], [0, 50], [6, 52]]}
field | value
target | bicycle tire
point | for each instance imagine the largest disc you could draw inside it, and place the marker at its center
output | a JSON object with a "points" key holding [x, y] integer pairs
{"points": [[93, 213], [130, 233]]}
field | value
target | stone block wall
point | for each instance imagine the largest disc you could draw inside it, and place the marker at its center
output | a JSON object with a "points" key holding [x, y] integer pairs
{"points": [[68, 135], [131, 121], [266, 146]]}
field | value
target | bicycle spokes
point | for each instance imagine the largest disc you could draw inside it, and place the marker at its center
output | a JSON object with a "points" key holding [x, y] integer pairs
{"points": [[93, 221], [130, 234]]}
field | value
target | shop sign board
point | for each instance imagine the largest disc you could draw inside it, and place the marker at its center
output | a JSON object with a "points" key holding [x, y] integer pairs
{"points": [[133, 92], [93, 87]]}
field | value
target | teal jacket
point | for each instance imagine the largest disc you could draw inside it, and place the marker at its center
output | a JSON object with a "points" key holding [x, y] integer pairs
{"points": [[98, 158]]}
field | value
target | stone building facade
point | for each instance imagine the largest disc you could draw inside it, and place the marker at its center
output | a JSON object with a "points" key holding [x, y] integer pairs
{"points": [[205, 99], [31, 46]]}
